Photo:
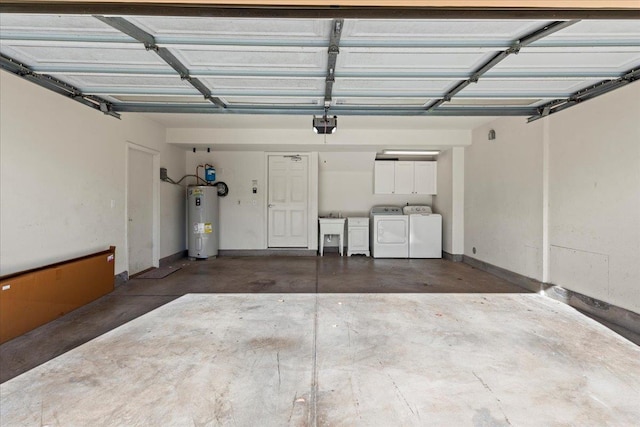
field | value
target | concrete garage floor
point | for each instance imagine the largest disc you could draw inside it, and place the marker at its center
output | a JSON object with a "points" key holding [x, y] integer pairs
{"points": [[330, 341]]}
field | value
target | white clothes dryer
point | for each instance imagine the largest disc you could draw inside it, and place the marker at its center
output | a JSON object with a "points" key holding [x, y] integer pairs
{"points": [[389, 232]]}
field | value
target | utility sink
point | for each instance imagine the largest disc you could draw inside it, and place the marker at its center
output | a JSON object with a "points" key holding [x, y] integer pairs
{"points": [[329, 220], [329, 226]]}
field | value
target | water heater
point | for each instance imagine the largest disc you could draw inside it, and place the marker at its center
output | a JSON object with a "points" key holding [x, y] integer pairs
{"points": [[202, 221]]}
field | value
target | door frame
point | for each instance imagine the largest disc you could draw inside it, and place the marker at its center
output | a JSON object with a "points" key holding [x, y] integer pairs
{"points": [[155, 206], [312, 195]]}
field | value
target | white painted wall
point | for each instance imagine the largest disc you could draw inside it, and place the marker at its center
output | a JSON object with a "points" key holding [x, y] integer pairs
{"points": [[242, 214], [295, 133], [173, 237], [243, 223], [586, 162], [594, 198], [346, 188], [443, 201], [503, 196], [449, 202], [61, 166], [172, 217], [457, 201], [346, 185], [345, 162]]}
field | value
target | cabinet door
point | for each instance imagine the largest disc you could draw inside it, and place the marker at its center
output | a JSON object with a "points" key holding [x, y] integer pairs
{"points": [[383, 177], [358, 238], [425, 178], [404, 177]]}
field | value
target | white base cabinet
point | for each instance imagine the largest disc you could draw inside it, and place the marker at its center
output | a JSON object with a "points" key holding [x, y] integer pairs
{"points": [[358, 236]]}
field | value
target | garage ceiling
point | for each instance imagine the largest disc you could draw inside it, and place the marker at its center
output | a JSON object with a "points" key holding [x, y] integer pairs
{"points": [[404, 67]]}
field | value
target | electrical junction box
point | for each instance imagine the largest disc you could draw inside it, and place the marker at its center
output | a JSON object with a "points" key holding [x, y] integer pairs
{"points": [[210, 174]]}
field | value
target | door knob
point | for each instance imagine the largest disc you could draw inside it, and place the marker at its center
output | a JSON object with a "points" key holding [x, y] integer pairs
{"points": [[270, 205]]}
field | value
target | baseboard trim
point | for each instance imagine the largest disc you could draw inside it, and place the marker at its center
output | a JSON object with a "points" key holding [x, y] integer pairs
{"points": [[452, 257], [121, 278], [170, 259], [618, 316], [515, 278], [267, 252], [611, 313]]}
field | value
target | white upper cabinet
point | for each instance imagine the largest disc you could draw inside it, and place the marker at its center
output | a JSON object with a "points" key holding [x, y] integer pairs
{"points": [[425, 178], [384, 180], [405, 177]]}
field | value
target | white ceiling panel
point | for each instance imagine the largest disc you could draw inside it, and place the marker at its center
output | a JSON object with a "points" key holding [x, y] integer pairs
{"points": [[263, 58], [382, 66], [138, 83], [409, 86], [529, 87], [274, 100], [161, 99], [258, 84], [493, 102], [388, 59], [100, 54], [456, 32], [596, 31], [241, 30], [78, 25], [382, 102], [602, 59]]}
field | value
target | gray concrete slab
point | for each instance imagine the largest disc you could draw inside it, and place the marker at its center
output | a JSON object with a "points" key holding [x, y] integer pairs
{"points": [[476, 360], [199, 360], [340, 359], [275, 274], [68, 332]]}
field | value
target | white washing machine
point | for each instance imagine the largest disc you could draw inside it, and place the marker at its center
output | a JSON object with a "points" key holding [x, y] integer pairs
{"points": [[425, 232], [389, 232]]}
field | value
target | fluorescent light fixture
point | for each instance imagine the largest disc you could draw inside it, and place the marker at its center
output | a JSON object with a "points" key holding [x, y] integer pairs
{"points": [[325, 125], [410, 152]]}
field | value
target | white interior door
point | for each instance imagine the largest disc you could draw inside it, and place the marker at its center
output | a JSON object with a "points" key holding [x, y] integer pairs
{"points": [[288, 202], [140, 210]]}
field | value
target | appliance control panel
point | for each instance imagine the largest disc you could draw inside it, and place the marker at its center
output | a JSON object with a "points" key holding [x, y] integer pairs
{"points": [[386, 210], [409, 210]]}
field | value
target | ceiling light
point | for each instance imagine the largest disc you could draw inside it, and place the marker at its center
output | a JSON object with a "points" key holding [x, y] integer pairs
{"points": [[410, 152], [325, 125]]}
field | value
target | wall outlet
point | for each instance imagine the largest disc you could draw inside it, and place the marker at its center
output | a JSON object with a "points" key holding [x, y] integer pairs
{"points": [[163, 174]]}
